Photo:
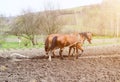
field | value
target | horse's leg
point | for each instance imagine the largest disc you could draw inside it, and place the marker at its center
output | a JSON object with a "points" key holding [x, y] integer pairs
{"points": [[60, 52], [50, 56], [73, 51], [69, 51], [79, 47], [76, 52], [46, 53], [53, 54]]}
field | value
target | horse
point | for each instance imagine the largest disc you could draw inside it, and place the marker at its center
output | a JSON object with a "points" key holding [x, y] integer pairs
{"points": [[48, 43], [84, 35], [71, 40]]}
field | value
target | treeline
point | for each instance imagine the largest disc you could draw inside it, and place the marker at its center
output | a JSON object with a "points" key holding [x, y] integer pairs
{"points": [[101, 19]]}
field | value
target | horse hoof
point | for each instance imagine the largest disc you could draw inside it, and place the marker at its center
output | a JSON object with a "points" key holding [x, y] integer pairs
{"points": [[62, 58], [54, 56], [49, 59], [80, 55]]}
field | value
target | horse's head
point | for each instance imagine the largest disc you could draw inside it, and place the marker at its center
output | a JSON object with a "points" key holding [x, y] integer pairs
{"points": [[86, 35], [89, 36]]}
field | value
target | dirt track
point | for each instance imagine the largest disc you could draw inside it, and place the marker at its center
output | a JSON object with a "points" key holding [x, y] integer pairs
{"points": [[97, 64]]}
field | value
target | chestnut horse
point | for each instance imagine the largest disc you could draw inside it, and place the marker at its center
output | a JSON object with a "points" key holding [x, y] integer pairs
{"points": [[85, 36], [72, 40], [48, 43]]}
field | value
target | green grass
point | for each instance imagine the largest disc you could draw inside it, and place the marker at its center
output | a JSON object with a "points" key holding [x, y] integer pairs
{"points": [[101, 44], [15, 45], [104, 42], [102, 37], [10, 45], [12, 36]]}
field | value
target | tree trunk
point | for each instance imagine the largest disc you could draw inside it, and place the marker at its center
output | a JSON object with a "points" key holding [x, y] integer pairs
{"points": [[33, 41]]}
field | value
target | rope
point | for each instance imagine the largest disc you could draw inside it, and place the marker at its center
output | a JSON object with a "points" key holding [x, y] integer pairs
{"points": [[75, 43]]}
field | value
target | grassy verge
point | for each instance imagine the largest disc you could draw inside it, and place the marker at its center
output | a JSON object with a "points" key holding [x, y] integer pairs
{"points": [[103, 37], [15, 45], [101, 44]]}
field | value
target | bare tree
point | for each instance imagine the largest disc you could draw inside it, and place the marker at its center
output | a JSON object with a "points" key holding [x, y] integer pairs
{"points": [[51, 21], [25, 26], [30, 24]]}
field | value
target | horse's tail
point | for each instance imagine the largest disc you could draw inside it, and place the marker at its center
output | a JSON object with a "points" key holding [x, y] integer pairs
{"points": [[46, 44], [54, 43]]}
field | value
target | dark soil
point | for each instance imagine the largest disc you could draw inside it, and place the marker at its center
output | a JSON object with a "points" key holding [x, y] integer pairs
{"points": [[88, 68]]}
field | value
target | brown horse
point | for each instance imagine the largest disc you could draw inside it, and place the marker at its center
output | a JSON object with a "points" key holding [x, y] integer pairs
{"points": [[85, 36], [48, 43], [72, 40]]}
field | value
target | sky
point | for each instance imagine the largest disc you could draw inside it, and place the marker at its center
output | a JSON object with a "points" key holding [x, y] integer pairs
{"points": [[15, 7]]}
